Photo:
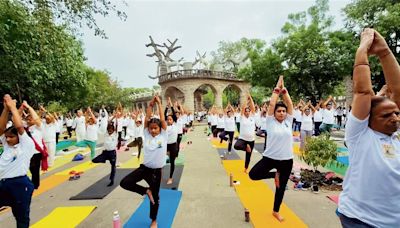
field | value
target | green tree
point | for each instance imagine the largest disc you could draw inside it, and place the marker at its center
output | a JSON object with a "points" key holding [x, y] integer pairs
{"points": [[76, 12], [39, 61], [208, 99]]}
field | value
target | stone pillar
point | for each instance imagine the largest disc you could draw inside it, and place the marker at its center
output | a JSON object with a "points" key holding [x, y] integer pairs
{"points": [[218, 99], [189, 100]]}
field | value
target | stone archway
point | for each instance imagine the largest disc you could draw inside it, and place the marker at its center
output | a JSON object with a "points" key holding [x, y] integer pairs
{"points": [[234, 92], [175, 94], [198, 94]]}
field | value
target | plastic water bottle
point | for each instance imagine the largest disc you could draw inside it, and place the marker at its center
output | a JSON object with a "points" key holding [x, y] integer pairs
{"points": [[116, 220]]}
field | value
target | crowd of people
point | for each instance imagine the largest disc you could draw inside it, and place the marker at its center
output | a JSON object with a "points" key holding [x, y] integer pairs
{"points": [[29, 138]]}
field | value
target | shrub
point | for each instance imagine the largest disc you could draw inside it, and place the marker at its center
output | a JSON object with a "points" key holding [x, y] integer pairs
{"points": [[319, 151]]}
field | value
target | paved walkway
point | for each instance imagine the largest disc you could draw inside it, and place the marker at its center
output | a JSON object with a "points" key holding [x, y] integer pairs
{"points": [[207, 199]]}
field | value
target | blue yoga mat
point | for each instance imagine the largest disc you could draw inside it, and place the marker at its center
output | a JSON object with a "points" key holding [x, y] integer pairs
{"points": [[169, 202], [344, 160]]}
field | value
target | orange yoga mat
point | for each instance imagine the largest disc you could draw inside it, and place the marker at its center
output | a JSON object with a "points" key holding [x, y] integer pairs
{"points": [[49, 183], [258, 198]]}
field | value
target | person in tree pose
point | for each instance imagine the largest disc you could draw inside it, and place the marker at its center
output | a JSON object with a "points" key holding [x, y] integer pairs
{"points": [[279, 151], [172, 131], [155, 152]]}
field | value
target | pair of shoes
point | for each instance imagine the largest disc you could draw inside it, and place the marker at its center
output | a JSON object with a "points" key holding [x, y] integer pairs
{"points": [[74, 177], [315, 189]]}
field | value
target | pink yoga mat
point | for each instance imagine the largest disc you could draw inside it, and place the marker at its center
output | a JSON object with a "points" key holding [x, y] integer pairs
{"points": [[334, 198]]}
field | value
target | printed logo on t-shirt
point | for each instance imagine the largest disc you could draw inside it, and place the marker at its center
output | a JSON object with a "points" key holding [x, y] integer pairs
{"points": [[388, 151]]}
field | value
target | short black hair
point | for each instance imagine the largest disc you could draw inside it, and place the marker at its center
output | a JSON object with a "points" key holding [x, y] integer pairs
{"points": [[154, 120], [280, 104], [13, 130]]}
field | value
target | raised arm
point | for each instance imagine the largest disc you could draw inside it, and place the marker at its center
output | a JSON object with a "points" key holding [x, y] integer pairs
{"points": [[275, 96], [390, 66], [362, 87], [33, 114], [4, 116], [16, 117], [161, 113], [286, 98], [148, 113], [91, 115], [251, 104]]}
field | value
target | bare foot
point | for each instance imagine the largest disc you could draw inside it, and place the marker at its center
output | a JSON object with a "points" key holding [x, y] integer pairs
{"points": [[277, 180], [245, 171], [169, 181], [278, 216], [150, 195], [153, 224]]}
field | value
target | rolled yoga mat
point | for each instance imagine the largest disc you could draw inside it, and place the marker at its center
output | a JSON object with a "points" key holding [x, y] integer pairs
{"points": [[169, 202]]}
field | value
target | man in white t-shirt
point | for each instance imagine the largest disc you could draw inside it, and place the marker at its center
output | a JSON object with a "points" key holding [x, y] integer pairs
{"points": [[328, 118]]}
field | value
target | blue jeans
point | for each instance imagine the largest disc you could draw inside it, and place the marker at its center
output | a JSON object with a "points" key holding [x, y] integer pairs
{"points": [[17, 193], [352, 222]]}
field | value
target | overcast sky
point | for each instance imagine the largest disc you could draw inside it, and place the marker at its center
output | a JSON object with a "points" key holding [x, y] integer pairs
{"points": [[199, 25]]}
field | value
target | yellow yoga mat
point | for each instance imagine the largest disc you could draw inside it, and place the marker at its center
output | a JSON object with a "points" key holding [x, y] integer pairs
{"points": [[132, 163], [79, 168], [296, 148], [65, 217], [60, 161], [258, 198], [49, 183], [215, 143]]}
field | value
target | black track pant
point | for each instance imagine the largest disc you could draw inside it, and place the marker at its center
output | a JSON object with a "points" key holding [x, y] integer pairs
{"points": [[178, 141], [107, 155], [153, 179], [261, 170], [173, 154], [34, 167], [223, 137]]}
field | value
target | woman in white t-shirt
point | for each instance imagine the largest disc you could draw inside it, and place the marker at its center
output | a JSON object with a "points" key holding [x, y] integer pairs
{"points": [[371, 189], [278, 153], [214, 120], [15, 187], [328, 116], [229, 127], [91, 134], [238, 113], [39, 158], [220, 123], [306, 124], [317, 119], [247, 131], [137, 133], [172, 132], [49, 127], [80, 126], [68, 122], [155, 152]]}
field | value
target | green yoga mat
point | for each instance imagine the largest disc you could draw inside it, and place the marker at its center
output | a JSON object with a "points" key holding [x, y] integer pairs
{"points": [[180, 160], [65, 144], [337, 167]]}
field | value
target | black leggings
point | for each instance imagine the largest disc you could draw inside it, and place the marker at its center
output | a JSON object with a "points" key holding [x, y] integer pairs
{"points": [[178, 142], [57, 137], [261, 170], [223, 137], [69, 130], [316, 128], [216, 131], [153, 179], [213, 127], [119, 140], [110, 155], [242, 145], [137, 142], [34, 167], [173, 154]]}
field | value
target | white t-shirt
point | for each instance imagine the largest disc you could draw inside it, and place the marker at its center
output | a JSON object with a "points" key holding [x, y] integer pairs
{"points": [[118, 124], [91, 132], [237, 117], [69, 122], [371, 187], [297, 115], [306, 122], [37, 134], [280, 139], [221, 122], [214, 120], [318, 116], [247, 128], [155, 149], [138, 131], [110, 141], [328, 116], [15, 160], [172, 132], [179, 125], [59, 125], [49, 131], [229, 123], [263, 123], [80, 124]]}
